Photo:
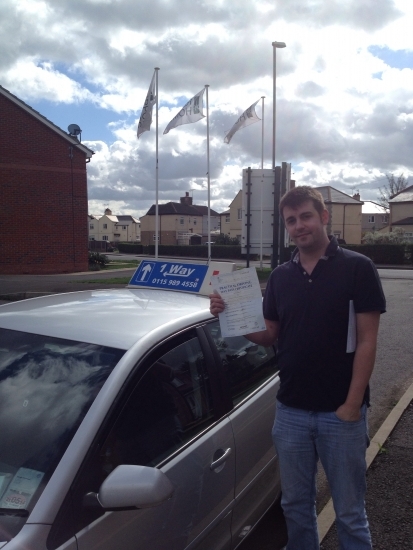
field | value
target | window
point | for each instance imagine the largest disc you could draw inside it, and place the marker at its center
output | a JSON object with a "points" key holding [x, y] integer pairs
{"points": [[91, 226], [239, 213], [194, 221], [168, 406], [124, 227], [371, 219], [385, 219], [91, 238], [105, 238], [154, 238], [227, 218], [58, 380], [246, 365], [182, 221], [105, 226]]}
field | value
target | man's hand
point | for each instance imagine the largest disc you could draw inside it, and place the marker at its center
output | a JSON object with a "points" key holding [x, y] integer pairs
{"points": [[348, 413], [216, 304]]}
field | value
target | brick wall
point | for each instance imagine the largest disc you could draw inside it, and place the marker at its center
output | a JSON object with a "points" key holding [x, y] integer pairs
{"points": [[43, 197]]}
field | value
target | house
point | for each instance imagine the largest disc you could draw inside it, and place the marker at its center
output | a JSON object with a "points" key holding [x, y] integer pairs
{"points": [[113, 228], [345, 214], [401, 211], [179, 223], [231, 219], [373, 216], [43, 189]]}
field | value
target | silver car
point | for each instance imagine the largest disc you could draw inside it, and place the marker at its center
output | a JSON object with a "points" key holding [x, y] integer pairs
{"points": [[128, 422]]}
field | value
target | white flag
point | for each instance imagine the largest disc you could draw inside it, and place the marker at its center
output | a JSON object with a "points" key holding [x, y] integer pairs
{"points": [[146, 115], [248, 117], [191, 112]]}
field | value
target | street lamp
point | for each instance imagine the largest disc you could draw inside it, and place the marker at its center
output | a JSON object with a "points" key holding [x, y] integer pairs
{"points": [[275, 254], [275, 45]]}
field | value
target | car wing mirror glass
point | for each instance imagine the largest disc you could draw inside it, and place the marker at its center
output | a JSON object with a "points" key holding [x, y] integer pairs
{"points": [[130, 487]]}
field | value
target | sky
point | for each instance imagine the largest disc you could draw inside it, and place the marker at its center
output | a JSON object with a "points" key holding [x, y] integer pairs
{"points": [[344, 90]]}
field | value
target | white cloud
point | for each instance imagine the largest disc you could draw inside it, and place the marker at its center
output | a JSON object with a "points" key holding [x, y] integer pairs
{"points": [[344, 116]]}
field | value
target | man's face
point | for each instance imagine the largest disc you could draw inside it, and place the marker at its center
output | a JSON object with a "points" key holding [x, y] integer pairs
{"points": [[305, 226]]}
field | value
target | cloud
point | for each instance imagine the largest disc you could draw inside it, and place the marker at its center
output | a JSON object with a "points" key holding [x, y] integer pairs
{"points": [[344, 109]]}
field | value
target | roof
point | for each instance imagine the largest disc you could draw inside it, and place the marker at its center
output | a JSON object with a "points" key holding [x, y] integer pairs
{"points": [[332, 195], [72, 140], [404, 221], [127, 219], [404, 196], [182, 209], [371, 207], [120, 317]]}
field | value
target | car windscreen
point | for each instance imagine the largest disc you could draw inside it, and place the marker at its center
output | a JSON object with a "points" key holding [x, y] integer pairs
{"points": [[47, 385]]}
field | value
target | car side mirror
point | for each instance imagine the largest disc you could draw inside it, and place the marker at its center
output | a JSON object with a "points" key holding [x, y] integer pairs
{"points": [[129, 487]]}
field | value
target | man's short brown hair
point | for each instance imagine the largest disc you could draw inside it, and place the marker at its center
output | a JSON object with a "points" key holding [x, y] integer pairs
{"points": [[301, 194]]}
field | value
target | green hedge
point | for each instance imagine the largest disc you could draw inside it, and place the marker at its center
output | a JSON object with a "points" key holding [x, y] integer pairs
{"points": [[188, 251], [130, 248], [387, 254], [409, 254]]}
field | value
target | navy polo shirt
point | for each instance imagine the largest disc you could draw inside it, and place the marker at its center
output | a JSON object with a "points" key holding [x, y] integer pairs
{"points": [[313, 312]]}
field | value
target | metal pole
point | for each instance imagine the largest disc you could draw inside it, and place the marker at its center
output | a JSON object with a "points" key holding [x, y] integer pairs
{"points": [[156, 171], [262, 178], [276, 220], [248, 216], [209, 179]]}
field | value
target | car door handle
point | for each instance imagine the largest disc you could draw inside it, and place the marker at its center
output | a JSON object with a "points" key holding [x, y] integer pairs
{"points": [[216, 463]]}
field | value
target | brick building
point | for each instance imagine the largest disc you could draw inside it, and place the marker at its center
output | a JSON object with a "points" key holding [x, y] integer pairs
{"points": [[43, 193]]}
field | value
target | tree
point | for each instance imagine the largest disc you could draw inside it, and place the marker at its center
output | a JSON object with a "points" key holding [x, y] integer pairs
{"points": [[394, 185]]}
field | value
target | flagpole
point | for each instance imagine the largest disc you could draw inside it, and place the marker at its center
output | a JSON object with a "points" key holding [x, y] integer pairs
{"points": [[262, 177], [156, 171], [209, 179]]}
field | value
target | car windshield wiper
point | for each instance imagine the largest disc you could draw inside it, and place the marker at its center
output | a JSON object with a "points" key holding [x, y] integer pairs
{"points": [[20, 512]]}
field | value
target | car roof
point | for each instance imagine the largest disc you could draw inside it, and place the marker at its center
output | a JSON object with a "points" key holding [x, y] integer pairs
{"points": [[116, 318]]}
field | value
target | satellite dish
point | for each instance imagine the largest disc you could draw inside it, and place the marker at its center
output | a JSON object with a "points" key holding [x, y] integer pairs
{"points": [[74, 130]]}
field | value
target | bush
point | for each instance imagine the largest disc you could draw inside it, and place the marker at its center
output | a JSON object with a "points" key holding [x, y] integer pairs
{"points": [[130, 248], [386, 254], [393, 237], [227, 240], [96, 259]]}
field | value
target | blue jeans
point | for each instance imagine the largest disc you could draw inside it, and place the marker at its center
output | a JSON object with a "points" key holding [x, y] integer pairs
{"points": [[301, 438]]}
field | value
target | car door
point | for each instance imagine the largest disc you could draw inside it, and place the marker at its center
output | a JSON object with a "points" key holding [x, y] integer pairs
{"points": [[167, 420], [252, 381]]}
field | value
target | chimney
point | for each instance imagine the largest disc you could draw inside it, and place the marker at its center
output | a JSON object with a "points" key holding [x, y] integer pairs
{"points": [[187, 199], [356, 196]]}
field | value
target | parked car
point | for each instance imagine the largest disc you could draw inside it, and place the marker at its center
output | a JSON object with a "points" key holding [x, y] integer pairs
{"points": [[128, 422]]}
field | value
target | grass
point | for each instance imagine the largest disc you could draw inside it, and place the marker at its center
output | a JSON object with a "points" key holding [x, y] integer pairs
{"points": [[112, 281], [263, 274], [121, 264]]}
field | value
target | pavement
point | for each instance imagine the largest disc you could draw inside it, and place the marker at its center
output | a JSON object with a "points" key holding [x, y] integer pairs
{"points": [[389, 499]]}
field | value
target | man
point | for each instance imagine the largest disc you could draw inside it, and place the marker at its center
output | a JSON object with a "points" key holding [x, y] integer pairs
{"points": [[323, 307]]}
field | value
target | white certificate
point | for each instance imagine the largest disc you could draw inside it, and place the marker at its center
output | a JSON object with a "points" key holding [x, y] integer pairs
{"points": [[241, 293]]}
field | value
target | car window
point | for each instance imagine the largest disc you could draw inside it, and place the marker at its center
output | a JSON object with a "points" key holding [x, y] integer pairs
{"points": [[170, 405], [46, 387], [245, 364]]}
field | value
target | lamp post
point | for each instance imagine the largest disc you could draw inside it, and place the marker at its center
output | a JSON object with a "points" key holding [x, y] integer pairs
{"points": [[275, 45], [274, 261]]}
